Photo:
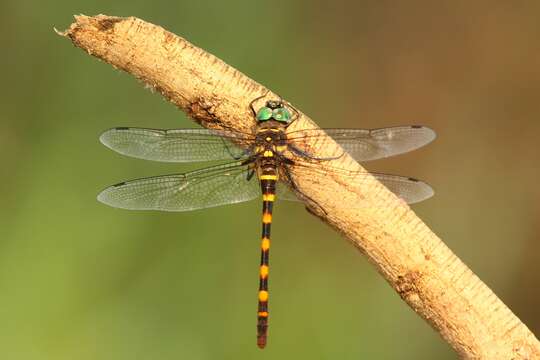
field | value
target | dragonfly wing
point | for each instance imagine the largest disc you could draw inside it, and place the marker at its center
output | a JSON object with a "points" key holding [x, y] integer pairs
{"points": [[365, 144], [409, 189], [213, 186], [283, 192], [175, 145]]}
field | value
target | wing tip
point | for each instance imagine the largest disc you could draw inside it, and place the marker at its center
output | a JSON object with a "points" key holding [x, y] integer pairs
{"points": [[432, 134], [105, 137], [108, 135], [104, 196], [427, 190]]}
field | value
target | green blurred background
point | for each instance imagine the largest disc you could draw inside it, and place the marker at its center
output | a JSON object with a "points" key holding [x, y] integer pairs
{"points": [[79, 280]]}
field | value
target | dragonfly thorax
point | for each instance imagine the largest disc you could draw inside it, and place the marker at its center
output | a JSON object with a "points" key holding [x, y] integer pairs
{"points": [[270, 139]]}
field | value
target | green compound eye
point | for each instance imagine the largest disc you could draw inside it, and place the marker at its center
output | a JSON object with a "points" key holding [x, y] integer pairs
{"points": [[264, 114], [281, 114]]}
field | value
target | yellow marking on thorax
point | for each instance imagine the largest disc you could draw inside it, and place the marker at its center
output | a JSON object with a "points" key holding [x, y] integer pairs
{"points": [[281, 148], [264, 271], [268, 177], [265, 245], [263, 295], [267, 218], [269, 197], [268, 153]]}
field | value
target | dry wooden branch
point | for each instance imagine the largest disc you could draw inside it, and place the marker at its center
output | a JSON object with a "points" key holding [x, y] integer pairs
{"points": [[416, 263]]}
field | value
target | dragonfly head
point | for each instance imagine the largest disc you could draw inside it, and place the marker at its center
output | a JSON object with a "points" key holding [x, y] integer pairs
{"points": [[274, 110]]}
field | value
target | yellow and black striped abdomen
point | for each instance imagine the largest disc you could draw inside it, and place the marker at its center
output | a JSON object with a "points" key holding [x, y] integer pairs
{"points": [[268, 179]]}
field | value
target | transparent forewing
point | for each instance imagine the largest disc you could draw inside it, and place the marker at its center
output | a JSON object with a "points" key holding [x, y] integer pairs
{"points": [[175, 145], [365, 145], [214, 186]]}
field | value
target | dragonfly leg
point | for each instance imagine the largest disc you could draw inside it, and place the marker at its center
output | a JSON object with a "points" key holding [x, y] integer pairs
{"points": [[296, 113], [250, 174], [254, 101], [244, 153], [305, 154], [290, 181]]}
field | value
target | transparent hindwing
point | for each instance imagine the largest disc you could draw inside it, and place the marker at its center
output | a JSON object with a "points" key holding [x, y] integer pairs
{"points": [[209, 187], [409, 189]]}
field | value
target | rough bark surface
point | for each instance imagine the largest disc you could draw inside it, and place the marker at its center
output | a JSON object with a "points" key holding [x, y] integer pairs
{"points": [[414, 261]]}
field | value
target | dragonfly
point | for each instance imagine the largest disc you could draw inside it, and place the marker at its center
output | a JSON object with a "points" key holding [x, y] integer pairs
{"points": [[259, 163]]}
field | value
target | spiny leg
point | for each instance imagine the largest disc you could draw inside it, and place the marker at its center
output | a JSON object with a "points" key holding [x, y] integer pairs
{"points": [[307, 155], [254, 101], [268, 186], [289, 180], [296, 113]]}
